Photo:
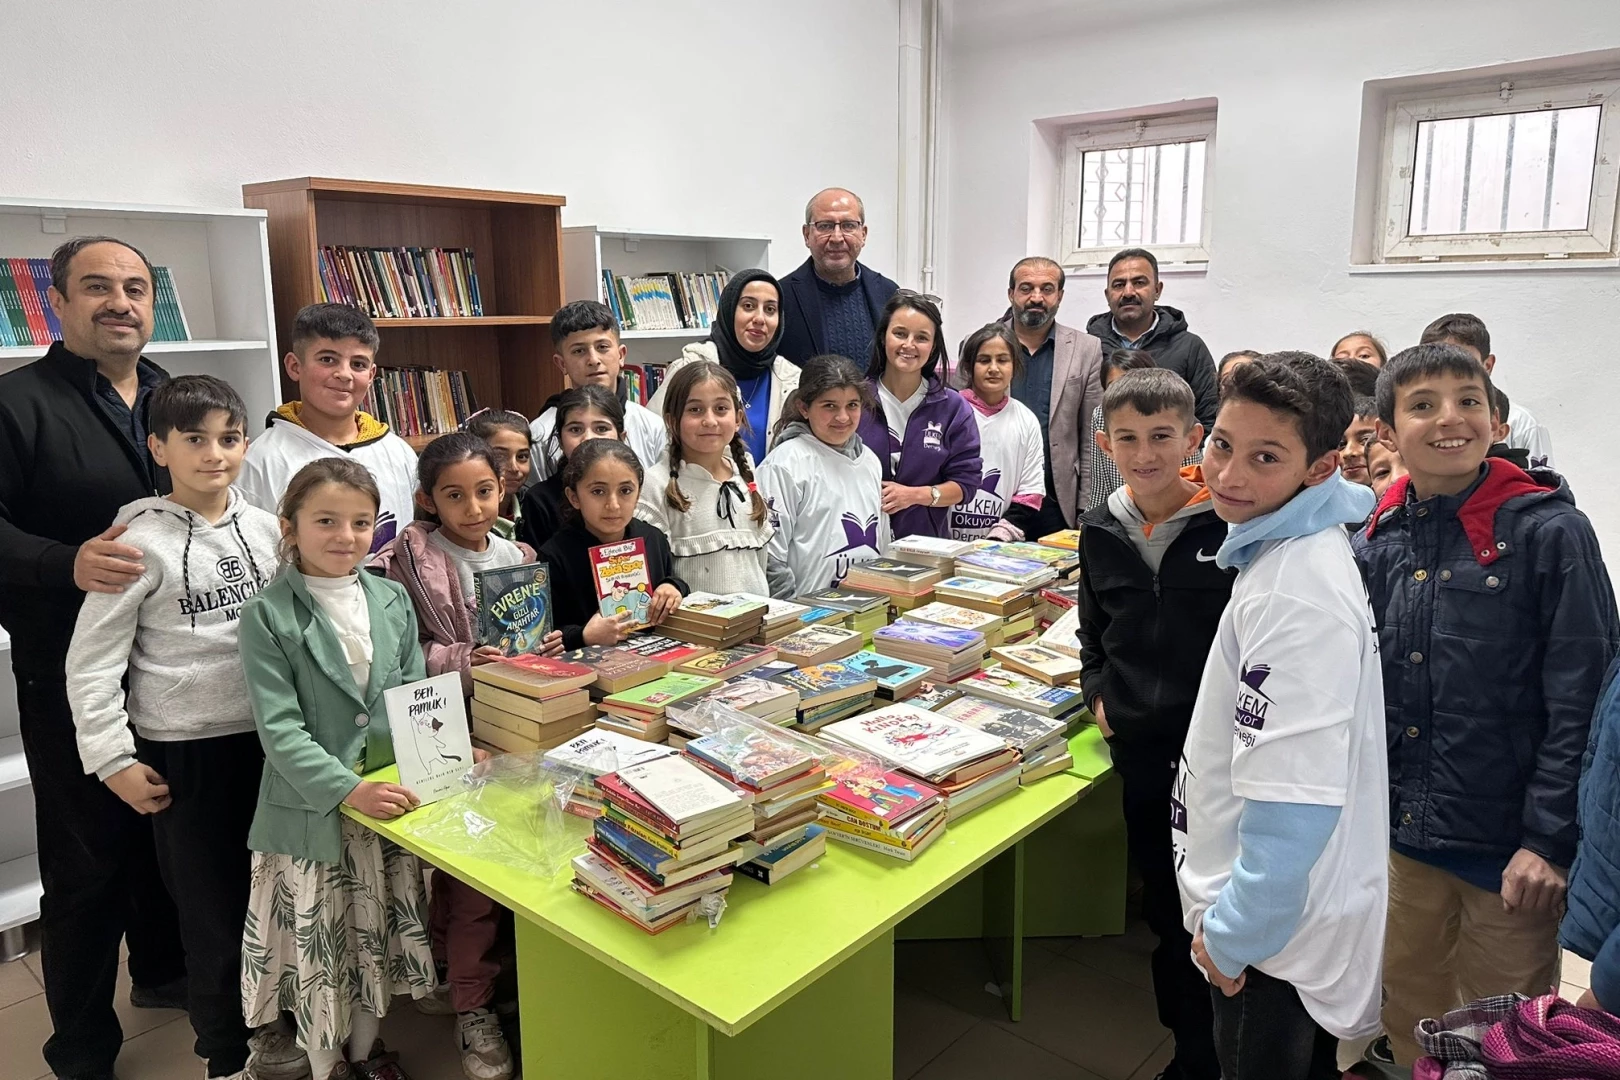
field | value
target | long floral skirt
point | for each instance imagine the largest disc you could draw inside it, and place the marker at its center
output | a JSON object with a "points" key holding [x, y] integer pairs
{"points": [[321, 938]]}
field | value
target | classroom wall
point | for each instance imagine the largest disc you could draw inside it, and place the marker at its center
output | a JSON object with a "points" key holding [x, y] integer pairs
{"points": [[1288, 76], [714, 118]]}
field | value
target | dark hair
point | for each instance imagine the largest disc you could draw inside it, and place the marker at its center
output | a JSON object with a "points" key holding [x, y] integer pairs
{"points": [[1235, 354], [184, 402], [1459, 327], [676, 394], [487, 422], [580, 316], [1035, 260], [439, 455], [1134, 253], [917, 302], [62, 258], [342, 471], [1122, 360], [333, 322], [1366, 406], [1362, 375], [977, 340], [589, 453], [584, 399], [1378, 346], [821, 375], [1150, 391], [1500, 399], [1311, 390], [1423, 362]]}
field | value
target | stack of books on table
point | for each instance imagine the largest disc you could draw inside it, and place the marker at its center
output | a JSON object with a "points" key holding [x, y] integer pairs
{"points": [[616, 669], [1038, 662], [782, 617], [818, 645], [781, 782], [639, 711], [827, 692], [883, 811], [771, 701], [1063, 635], [1021, 692], [667, 839], [969, 767], [526, 703], [716, 620], [1067, 539], [933, 551], [862, 611], [729, 662], [949, 652], [906, 585], [896, 679], [1042, 743], [671, 652], [1020, 628], [996, 597], [961, 618], [1064, 560], [594, 753], [931, 695], [1025, 573]]}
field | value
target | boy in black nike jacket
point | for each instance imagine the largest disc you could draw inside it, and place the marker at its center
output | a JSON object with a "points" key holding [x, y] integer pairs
{"points": [[1151, 598]]}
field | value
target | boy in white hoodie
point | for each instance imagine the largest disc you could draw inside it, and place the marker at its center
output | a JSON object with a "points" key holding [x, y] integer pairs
{"points": [[193, 758]]}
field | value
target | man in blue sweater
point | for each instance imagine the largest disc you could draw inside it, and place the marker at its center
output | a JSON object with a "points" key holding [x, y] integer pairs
{"points": [[831, 303]]}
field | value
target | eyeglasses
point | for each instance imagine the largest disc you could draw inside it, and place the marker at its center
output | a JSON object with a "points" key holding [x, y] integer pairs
{"points": [[827, 228]]}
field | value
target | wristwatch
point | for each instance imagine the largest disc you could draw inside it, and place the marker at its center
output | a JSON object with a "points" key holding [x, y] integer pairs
{"points": [[933, 495]]}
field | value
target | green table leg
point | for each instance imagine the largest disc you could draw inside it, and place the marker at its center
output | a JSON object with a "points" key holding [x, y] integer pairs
{"points": [[1004, 899], [583, 1019], [1076, 877]]}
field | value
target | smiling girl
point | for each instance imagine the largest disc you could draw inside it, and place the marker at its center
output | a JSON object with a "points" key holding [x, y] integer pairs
{"points": [[584, 412], [1010, 495]]}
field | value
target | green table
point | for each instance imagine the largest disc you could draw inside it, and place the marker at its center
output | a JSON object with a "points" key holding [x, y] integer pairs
{"points": [[797, 981]]}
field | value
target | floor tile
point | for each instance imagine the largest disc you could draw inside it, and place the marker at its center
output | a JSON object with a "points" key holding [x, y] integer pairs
{"points": [[1156, 1062], [987, 1051], [136, 1021], [1571, 992], [1127, 957], [17, 981], [1092, 1019], [958, 972], [32, 962], [924, 1026], [161, 1053], [1576, 971], [24, 1027], [426, 1045]]}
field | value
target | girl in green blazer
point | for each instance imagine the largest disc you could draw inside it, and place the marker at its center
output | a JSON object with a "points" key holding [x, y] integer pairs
{"points": [[336, 924]]}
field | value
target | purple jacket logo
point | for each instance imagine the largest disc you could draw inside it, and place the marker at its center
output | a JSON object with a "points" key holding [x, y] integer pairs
{"points": [[933, 435], [991, 479]]}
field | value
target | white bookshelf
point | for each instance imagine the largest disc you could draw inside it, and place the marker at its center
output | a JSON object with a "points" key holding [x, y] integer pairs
{"points": [[589, 249], [220, 262], [19, 867]]}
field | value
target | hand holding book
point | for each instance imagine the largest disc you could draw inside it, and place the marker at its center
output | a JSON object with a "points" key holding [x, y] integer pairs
{"points": [[609, 629], [665, 600]]}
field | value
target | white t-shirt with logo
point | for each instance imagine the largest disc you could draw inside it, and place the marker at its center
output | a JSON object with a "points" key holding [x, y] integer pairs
{"points": [[1014, 464], [897, 414], [1291, 709]]}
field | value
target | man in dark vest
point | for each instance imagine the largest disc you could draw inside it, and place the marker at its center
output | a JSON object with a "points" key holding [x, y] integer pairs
{"points": [[831, 303]]}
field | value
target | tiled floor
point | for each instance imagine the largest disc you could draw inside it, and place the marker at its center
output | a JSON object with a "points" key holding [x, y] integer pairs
{"points": [[1088, 1015]]}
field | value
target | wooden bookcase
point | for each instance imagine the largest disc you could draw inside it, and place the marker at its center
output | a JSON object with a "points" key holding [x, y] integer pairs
{"points": [[515, 237]]}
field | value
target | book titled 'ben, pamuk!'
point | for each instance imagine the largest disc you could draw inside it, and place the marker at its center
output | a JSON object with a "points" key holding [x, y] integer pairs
{"points": [[514, 607], [622, 584]]}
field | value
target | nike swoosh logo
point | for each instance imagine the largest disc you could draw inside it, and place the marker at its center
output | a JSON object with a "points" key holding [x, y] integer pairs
{"points": [[1201, 557]]}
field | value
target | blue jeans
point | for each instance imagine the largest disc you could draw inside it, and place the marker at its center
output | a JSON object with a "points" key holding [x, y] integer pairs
{"points": [[1264, 1033]]}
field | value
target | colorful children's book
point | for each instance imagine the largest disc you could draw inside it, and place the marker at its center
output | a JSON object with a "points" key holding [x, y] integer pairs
{"points": [[622, 583], [923, 744], [1022, 572], [947, 638], [895, 678], [823, 683], [651, 699], [748, 756], [661, 647], [725, 663], [514, 607], [1068, 539], [883, 800], [432, 743], [1021, 728], [1020, 691]]}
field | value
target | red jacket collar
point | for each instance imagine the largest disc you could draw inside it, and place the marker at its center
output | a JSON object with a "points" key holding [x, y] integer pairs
{"points": [[1503, 481]]}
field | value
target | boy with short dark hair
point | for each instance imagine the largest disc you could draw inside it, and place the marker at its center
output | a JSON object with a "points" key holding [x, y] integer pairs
{"points": [[1496, 623], [1503, 429], [1468, 333], [193, 756], [586, 348], [1150, 599], [1281, 808], [333, 360], [1363, 430]]}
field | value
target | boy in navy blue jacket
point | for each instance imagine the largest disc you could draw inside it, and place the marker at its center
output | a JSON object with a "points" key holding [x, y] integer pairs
{"points": [[1496, 623]]}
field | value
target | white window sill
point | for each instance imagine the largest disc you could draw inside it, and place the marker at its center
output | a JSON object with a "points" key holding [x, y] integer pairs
{"points": [[1471, 267]]}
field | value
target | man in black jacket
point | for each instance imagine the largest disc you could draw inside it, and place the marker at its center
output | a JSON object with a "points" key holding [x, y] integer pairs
{"points": [[72, 451], [1136, 320], [1151, 599], [831, 303]]}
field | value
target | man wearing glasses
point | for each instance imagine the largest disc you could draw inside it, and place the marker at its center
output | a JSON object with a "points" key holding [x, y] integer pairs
{"points": [[830, 304]]}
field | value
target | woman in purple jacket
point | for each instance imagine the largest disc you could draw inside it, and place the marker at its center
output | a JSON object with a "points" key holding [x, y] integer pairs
{"points": [[922, 431]]}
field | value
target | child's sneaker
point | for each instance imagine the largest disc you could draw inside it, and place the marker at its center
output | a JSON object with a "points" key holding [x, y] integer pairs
{"points": [[484, 1053], [273, 1054], [380, 1064]]}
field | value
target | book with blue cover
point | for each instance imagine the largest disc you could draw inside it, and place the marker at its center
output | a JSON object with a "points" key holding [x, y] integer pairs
{"points": [[947, 638], [514, 607], [895, 678]]}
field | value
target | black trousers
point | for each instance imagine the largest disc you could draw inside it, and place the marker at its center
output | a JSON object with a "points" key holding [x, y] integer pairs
{"points": [[1264, 1033], [1179, 988], [203, 854], [101, 885]]}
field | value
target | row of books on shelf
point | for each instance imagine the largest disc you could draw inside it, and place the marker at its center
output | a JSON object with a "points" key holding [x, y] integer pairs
{"points": [[402, 282], [26, 317], [664, 301], [643, 380], [421, 401]]}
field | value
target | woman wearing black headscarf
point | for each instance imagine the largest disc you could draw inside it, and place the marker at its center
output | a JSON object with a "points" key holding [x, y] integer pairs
{"points": [[743, 340]]}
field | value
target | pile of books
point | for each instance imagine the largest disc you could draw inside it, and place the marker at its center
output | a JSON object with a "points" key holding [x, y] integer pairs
{"points": [[933, 551], [948, 652], [896, 679], [664, 301], [616, 669], [525, 703], [671, 652], [1064, 560], [883, 811], [421, 401], [1064, 634], [968, 766], [906, 585], [718, 621], [728, 662], [1067, 539], [772, 701], [639, 711], [931, 695], [989, 565], [402, 283], [1049, 666], [1042, 743], [667, 839], [782, 617], [995, 597], [961, 618], [26, 317], [594, 753], [819, 644], [1021, 692], [780, 782], [862, 611], [827, 692]]}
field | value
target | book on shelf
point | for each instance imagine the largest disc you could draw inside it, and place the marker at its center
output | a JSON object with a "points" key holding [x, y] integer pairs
{"points": [[666, 300], [1048, 665], [643, 380], [421, 401], [402, 282], [623, 587], [514, 607], [26, 318]]}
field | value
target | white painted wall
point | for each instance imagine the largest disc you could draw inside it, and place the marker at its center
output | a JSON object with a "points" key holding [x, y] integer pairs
{"points": [[711, 118], [1288, 75]]}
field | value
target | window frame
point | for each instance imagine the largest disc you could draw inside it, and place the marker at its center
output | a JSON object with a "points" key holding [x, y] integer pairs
{"points": [[1118, 135], [1398, 171]]}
